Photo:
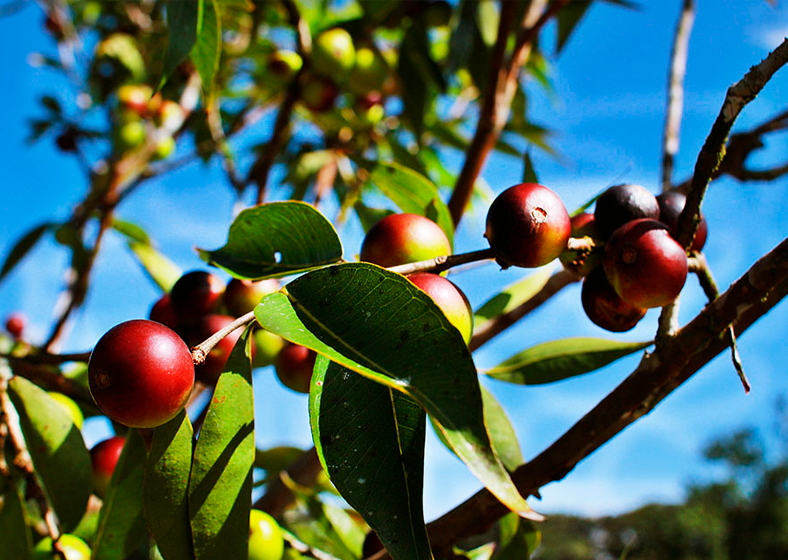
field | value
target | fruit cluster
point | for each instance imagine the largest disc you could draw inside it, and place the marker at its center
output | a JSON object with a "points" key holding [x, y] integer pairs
{"points": [[142, 114]]}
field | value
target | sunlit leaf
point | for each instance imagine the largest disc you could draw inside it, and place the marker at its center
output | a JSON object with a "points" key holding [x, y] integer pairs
{"points": [[560, 359], [207, 49], [134, 232], [161, 270], [511, 297]]}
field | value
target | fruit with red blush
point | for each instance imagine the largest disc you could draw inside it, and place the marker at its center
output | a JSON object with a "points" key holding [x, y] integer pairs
{"points": [[103, 459], [294, 365], [604, 306], [403, 238], [621, 204], [449, 298]]}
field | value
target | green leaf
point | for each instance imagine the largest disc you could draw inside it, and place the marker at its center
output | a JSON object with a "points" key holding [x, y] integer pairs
{"points": [[165, 488], [15, 537], [529, 173], [276, 239], [388, 330], [370, 440], [308, 520], [568, 18], [487, 18], [60, 457], [220, 488], [560, 359], [207, 49], [182, 23], [413, 193], [23, 246], [369, 216], [134, 232], [161, 270], [419, 74], [121, 526], [511, 297], [518, 538], [276, 458]]}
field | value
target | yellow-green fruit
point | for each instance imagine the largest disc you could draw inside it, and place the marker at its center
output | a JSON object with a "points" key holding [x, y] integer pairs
{"points": [[164, 147], [265, 537], [281, 67], [369, 72], [130, 135], [267, 345], [72, 547], [71, 408], [333, 53]]}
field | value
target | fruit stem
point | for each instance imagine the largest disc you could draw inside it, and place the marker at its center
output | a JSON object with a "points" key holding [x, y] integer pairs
{"points": [[200, 351], [444, 262]]}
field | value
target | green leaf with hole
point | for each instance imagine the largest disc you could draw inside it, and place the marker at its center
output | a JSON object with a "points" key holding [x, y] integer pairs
{"points": [[165, 488], [561, 359], [15, 536], [183, 19], [511, 297], [159, 268], [121, 525], [60, 457], [220, 487], [23, 246], [370, 440], [276, 239], [413, 193], [377, 323], [207, 49]]}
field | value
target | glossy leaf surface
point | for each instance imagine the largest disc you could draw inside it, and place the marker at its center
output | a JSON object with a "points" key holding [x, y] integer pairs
{"points": [[277, 239]]}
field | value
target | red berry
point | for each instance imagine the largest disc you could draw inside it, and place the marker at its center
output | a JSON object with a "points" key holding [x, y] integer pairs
{"points": [[241, 296], [603, 305], [404, 238], [527, 226], [644, 264], [162, 312], [208, 371], [670, 206], [141, 373], [449, 298], [195, 294], [15, 324], [103, 458], [294, 365], [621, 204]]}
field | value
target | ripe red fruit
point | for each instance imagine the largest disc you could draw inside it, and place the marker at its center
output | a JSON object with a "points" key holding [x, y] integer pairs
{"points": [[15, 324], [319, 94], [195, 294], [449, 298], [103, 458], [603, 305], [241, 296], [404, 238], [163, 312], [527, 226], [621, 204], [670, 206], [140, 373], [581, 262], [294, 365], [644, 264], [208, 371]]}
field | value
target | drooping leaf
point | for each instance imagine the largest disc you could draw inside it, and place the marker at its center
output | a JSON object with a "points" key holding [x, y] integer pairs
{"points": [[560, 359], [15, 536], [121, 526], [388, 330], [134, 232], [511, 297], [220, 487], [207, 49], [276, 239], [413, 193], [60, 457], [23, 246], [165, 488], [370, 440], [517, 540], [182, 22], [161, 270]]}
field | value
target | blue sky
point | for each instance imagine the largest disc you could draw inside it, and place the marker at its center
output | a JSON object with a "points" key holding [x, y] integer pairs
{"points": [[607, 114]]}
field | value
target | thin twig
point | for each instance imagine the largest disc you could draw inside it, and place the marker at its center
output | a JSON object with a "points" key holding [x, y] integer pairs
{"points": [[200, 351], [678, 68], [444, 262]]}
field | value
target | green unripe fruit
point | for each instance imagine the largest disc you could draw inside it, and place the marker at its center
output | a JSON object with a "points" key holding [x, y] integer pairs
{"points": [[164, 147], [267, 346], [404, 238], [333, 53], [266, 541], [130, 135], [72, 547], [282, 66], [449, 298], [71, 408], [369, 72]]}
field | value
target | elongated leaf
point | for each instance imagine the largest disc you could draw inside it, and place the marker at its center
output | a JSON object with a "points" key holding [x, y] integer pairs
{"points": [[277, 239], [161, 270], [59, 455], [529, 173], [182, 22], [121, 528], [413, 193], [560, 359], [208, 47], [220, 488], [15, 537], [369, 216], [518, 538], [165, 488], [370, 440], [511, 297], [487, 18], [568, 18], [389, 330], [131, 230], [23, 246]]}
